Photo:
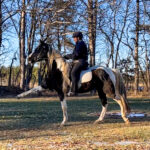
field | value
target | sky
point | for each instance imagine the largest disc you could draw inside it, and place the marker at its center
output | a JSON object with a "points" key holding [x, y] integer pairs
{"points": [[11, 45]]}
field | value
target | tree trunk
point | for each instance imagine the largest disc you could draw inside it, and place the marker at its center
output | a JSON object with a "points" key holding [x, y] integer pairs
{"points": [[92, 21], [94, 27], [31, 39], [111, 56], [147, 70], [136, 81], [0, 23], [22, 46], [10, 69]]}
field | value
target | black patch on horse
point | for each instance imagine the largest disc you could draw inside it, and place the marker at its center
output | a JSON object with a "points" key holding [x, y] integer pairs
{"points": [[105, 82], [54, 79]]}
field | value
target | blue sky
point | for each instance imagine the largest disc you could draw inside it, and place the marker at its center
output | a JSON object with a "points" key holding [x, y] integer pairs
{"points": [[12, 45]]}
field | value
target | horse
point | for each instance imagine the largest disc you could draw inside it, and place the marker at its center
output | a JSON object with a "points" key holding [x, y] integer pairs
{"points": [[107, 82]]}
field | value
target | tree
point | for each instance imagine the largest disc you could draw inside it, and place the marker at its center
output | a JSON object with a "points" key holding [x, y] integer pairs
{"points": [[32, 27], [92, 24], [22, 46], [136, 57], [0, 23], [112, 21]]}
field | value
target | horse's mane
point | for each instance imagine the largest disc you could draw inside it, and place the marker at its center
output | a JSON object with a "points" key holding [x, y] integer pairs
{"points": [[57, 53], [62, 65]]}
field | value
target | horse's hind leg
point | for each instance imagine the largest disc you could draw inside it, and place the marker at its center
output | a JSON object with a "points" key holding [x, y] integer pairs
{"points": [[123, 112], [103, 98]]}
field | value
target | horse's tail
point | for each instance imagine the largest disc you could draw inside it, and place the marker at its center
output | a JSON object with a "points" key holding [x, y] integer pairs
{"points": [[120, 89]]}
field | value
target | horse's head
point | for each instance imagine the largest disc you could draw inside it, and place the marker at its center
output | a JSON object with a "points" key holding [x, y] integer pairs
{"points": [[40, 53]]}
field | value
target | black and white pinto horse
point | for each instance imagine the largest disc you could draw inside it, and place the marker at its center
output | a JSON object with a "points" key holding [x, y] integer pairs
{"points": [[105, 80]]}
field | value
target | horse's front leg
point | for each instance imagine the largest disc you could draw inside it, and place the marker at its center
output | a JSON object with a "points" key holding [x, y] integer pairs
{"points": [[103, 98], [64, 107]]}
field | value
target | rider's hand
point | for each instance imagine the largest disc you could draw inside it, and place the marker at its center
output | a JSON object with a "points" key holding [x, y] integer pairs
{"points": [[65, 57]]}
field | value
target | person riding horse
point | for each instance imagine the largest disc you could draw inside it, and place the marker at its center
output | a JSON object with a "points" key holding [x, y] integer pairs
{"points": [[80, 60], [107, 82]]}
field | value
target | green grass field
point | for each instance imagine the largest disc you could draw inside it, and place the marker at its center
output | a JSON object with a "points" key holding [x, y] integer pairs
{"points": [[34, 123]]}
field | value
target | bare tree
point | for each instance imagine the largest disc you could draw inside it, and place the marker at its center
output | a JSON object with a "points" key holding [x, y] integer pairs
{"points": [[22, 46], [10, 69], [32, 21], [112, 31], [92, 24], [120, 35], [146, 28], [136, 57], [0, 23]]}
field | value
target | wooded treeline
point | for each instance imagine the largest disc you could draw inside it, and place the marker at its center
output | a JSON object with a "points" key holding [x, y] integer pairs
{"points": [[117, 33]]}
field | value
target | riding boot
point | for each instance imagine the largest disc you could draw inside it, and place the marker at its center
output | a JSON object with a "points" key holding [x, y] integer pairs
{"points": [[74, 89]]}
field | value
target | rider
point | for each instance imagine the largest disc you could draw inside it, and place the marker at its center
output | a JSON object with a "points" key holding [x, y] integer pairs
{"points": [[80, 60]]}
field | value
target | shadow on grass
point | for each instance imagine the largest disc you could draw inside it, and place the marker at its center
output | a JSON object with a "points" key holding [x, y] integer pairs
{"points": [[36, 114]]}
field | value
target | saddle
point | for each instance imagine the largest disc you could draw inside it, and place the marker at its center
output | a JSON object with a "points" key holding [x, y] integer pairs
{"points": [[86, 75]]}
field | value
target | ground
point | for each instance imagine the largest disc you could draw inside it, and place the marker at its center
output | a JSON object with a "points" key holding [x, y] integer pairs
{"points": [[34, 124]]}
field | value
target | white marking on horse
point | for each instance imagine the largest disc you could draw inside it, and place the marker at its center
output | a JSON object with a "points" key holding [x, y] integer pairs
{"points": [[123, 114], [32, 91], [103, 113], [64, 109], [59, 63]]}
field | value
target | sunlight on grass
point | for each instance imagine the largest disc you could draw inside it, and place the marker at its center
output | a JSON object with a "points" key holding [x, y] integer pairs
{"points": [[34, 124]]}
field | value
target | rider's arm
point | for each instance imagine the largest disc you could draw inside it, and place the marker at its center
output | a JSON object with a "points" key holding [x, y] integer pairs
{"points": [[68, 56], [79, 50]]}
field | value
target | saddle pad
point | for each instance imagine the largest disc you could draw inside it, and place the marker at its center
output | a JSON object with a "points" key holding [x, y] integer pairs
{"points": [[86, 75]]}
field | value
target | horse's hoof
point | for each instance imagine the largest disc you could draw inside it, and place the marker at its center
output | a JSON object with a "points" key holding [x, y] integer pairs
{"points": [[128, 122], [18, 97], [97, 122], [63, 124]]}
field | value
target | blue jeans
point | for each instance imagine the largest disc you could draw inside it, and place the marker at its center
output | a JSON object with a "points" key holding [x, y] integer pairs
{"points": [[75, 74]]}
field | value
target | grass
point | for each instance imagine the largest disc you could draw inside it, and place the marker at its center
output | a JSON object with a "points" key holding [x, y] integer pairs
{"points": [[33, 123]]}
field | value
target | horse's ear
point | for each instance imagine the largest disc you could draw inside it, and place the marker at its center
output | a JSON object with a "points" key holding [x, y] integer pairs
{"points": [[45, 39], [41, 41]]}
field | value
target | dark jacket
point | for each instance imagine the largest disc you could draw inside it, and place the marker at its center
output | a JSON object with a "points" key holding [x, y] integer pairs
{"points": [[80, 52]]}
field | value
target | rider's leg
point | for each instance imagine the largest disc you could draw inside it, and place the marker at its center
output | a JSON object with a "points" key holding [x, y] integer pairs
{"points": [[75, 75]]}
